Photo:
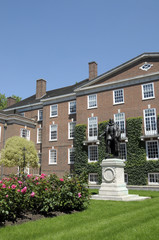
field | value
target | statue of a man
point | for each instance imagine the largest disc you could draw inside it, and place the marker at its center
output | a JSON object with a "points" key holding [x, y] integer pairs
{"points": [[112, 138]]}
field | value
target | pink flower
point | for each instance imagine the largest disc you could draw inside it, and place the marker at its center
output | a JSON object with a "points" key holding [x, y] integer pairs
{"points": [[0, 181], [79, 195], [7, 196], [37, 183], [46, 189], [32, 194], [36, 178], [61, 179], [8, 187], [3, 186], [44, 175], [29, 175], [24, 190], [18, 190], [20, 182], [13, 186]]}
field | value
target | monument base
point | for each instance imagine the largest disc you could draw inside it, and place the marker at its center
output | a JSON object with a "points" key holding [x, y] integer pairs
{"points": [[113, 186]]}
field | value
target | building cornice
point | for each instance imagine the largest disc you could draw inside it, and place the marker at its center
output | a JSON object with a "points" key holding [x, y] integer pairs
{"points": [[118, 84]]}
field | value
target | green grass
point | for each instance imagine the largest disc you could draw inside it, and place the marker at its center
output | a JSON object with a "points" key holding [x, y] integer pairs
{"points": [[101, 221]]}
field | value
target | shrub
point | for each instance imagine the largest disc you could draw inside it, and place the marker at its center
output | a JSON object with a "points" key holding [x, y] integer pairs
{"points": [[41, 194]]}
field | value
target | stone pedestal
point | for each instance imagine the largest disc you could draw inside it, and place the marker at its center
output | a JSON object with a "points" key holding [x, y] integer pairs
{"points": [[113, 186]]}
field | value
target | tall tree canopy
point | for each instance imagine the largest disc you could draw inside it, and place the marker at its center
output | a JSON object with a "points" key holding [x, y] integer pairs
{"points": [[3, 100], [19, 152]]}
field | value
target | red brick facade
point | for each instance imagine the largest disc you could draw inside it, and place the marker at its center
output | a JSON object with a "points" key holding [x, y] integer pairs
{"points": [[128, 77]]}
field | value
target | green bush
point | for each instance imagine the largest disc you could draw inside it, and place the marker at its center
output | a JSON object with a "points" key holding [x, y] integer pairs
{"points": [[41, 194]]}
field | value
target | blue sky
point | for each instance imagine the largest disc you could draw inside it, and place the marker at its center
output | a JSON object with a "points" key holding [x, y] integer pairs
{"points": [[55, 39]]}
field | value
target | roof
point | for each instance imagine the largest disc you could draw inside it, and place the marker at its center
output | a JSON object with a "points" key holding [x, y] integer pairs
{"points": [[49, 94]]}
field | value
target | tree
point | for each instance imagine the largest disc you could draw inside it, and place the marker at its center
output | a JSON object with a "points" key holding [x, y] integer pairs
{"points": [[3, 100], [19, 152]]}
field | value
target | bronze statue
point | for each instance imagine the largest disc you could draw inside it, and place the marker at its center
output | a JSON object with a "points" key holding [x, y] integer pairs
{"points": [[112, 136]]}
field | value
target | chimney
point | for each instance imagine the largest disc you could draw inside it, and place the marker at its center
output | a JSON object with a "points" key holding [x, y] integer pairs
{"points": [[92, 70], [40, 88], [10, 101]]}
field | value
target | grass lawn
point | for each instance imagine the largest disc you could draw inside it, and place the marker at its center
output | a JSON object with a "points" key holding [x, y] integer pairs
{"points": [[101, 221]]}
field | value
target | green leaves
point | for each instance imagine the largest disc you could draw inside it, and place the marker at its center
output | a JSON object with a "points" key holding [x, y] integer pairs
{"points": [[13, 153]]}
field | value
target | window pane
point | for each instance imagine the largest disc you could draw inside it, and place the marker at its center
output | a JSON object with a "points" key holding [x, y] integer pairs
{"points": [[123, 152], [152, 150], [92, 101], [53, 132], [53, 110], [93, 128], [118, 96], [71, 155], [148, 91], [93, 153], [72, 129], [72, 107], [52, 157]]}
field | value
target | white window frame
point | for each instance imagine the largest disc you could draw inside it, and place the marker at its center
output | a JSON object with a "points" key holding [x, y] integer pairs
{"points": [[39, 114], [125, 159], [156, 177], [89, 101], [55, 115], [92, 182], [149, 119], [147, 150], [38, 138], [69, 107], [55, 157], [145, 98], [119, 118], [69, 129], [89, 153], [69, 155], [93, 137], [114, 98], [27, 133], [56, 126]]}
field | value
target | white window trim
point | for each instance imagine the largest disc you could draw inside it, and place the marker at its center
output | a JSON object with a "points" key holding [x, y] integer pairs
{"points": [[90, 182], [151, 131], [114, 103], [69, 130], [88, 107], [123, 135], [38, 129], [69, 162], [143, 91], [57, 111], [152, 183], [89, 153], [54, 163], [28, 133], [147, 158], [53, 140], [39, 114], [69, 108], [90, 138]]}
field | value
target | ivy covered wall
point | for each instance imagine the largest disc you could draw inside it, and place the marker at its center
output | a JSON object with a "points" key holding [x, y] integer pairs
{"points": [[137, 167]]}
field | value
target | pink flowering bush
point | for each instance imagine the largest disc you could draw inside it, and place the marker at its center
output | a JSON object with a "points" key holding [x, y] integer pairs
{"points": [[41, 194]]}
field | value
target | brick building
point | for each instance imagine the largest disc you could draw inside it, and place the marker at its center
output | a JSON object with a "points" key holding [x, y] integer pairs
{"points": [[48, 118]]}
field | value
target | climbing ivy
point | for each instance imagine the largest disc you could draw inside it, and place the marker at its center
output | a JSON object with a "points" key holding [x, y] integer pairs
{"points": [[137, 167]]}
